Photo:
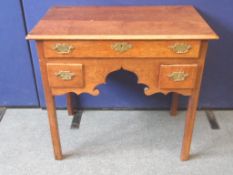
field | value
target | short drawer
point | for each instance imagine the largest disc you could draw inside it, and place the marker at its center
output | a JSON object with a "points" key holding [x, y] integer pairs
{"points": [[103, 49], [177, 76], [65, 75]]}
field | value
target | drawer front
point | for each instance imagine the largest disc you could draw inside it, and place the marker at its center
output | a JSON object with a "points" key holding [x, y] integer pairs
{"points": [[177, 76], [162, 49], [65, 75]]}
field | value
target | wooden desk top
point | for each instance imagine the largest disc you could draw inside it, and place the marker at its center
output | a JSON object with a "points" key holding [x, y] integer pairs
{"points": [[122, 22]]}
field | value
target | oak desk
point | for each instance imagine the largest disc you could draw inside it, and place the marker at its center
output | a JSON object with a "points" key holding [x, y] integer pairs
{"points": [[165, 46]]}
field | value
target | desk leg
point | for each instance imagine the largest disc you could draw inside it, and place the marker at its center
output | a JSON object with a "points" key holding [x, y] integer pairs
{"points": [[192, 107], [50, 102], [174, 104], [52, 116], [69, 104]]}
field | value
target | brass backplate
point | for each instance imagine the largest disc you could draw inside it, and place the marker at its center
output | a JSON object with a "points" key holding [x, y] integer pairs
{"points": [[178, 76], [63, 48], [65, 75], [121, 46], [180, 48]]}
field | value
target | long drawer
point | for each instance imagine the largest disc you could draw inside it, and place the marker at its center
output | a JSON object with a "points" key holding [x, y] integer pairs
{"points": [[103, 49]]}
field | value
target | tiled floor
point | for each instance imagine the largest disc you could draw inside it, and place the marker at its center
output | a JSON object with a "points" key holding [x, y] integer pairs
{"points": [[114, 142]]}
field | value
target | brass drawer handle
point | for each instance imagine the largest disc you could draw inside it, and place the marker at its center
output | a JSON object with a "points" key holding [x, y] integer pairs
{"points": [[63, 48], [65, 75], [121, 46], [178, 76], [180, 48]]}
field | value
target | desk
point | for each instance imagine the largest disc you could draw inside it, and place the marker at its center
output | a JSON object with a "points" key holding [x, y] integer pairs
{"points": [[165, 46]]}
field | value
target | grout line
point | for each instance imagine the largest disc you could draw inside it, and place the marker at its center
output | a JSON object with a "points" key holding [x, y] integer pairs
{"points": [[76, 120], [2, 112], [212, 119]]}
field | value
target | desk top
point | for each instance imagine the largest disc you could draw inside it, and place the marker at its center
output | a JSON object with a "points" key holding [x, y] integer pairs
{"points": [[122, 22]]}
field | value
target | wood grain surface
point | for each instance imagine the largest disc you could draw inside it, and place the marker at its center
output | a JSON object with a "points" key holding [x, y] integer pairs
{"points": [[122, 22]]}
